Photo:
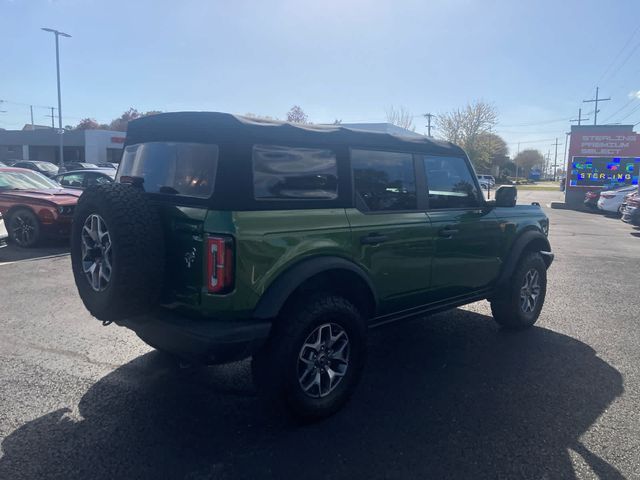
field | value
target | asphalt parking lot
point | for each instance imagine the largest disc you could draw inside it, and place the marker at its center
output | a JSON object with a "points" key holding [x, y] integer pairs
{"points": [[450, 396]]}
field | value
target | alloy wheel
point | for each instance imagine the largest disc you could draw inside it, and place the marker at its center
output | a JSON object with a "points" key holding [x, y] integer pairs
{"points": [[530, 291], [323, 360], [23, 229], [97, 257]]}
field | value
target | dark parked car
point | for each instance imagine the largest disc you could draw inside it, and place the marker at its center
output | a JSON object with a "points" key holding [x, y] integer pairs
{"points": [[47, 169], [34, 206], [108, 165], [81, 179], [78, 165], [631, 209], [226, 237]]}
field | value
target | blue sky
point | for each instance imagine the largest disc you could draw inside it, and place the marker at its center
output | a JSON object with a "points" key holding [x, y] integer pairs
{"points": [[348, 59]]}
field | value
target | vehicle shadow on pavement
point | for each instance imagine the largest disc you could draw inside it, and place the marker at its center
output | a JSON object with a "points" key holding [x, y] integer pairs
{"points": [[448, 397], [13, 253]]}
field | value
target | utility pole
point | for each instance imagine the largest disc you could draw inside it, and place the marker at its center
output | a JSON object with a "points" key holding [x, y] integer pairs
{"points": [[516, 162], [57, 34], [555, 159], [52, 116], [547, 159], [429, 116], [596, 100], [579, 119], [31, 109]]}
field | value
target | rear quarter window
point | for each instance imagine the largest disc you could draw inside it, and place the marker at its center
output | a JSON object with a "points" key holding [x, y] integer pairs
{"points": [[172, 167]]}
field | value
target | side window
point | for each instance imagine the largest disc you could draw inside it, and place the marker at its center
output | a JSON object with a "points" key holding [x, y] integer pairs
{"points": [[291, 172], [450, 183], [96, 179], [384, 180], [102, 180], [73, 180]]}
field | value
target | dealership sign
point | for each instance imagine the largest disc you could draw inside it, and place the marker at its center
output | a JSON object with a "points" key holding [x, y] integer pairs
{"points": [[603, 155]]}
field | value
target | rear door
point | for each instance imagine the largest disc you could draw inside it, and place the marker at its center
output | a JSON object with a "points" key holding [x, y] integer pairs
{"points": [[467, 256], [392, 236]]}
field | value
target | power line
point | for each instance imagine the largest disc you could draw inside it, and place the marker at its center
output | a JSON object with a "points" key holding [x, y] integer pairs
{"points": [[625, 60], [620, 109], [615, 59], [634, 110], [546, 122]]}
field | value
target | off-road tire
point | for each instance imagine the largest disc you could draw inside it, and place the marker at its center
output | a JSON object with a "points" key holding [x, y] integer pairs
{"points": [[26, 215], [507, 309], [137, 244], [275, 367]]}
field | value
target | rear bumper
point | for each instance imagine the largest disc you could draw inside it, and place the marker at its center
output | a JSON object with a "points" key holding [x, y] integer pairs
{"points": [[202, 340]]}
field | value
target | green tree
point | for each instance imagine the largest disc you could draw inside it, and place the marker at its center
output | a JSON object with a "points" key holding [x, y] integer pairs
{"points": [[528, 159]]}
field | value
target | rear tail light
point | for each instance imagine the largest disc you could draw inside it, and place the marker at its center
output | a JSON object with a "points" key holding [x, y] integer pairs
{"points": [[219, 264]]}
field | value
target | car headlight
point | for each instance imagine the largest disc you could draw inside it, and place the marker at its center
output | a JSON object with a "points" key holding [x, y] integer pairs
{"points": [[65, 210]]}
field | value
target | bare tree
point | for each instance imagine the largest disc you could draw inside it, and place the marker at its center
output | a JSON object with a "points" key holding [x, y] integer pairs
{"points": [[468, 127], [297, 115], [400, 117]]}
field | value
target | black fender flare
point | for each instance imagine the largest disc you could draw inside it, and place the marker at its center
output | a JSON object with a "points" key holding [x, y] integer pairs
{"points": [[521, 243], [277, 294]]}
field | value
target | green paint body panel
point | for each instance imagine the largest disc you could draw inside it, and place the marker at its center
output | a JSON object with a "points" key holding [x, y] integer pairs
{"points": [[414, 266]]}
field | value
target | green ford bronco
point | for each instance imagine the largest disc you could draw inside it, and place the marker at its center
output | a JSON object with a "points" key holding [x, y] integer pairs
{"points": [[227, 237]]}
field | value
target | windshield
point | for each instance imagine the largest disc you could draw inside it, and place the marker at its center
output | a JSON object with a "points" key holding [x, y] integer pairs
{"points": [[25, 180], [47, 167]]}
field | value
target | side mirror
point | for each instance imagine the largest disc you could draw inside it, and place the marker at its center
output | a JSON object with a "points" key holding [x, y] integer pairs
{"points": [[506, 196]]}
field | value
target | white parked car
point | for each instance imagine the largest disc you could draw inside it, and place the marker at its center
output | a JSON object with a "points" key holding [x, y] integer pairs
{"points": [[611, 200], [488, 179], [3, 233]]}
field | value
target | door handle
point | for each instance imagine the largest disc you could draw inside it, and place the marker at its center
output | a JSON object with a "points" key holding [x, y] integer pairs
{"points": [[373, 239], [448, 231]]}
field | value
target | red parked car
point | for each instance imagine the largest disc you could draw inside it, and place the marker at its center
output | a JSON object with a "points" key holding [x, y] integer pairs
{"points": [[34, 206]]}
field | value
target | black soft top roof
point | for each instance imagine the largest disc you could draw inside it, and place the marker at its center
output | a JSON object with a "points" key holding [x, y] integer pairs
{"points": [[216, 127]]}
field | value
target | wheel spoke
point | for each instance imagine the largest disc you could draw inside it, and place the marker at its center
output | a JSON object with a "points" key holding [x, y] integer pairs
{"points": [[97, 259]]}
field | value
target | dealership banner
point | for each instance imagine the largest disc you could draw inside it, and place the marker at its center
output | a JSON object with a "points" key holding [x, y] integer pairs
{"points": [[603, 155]]}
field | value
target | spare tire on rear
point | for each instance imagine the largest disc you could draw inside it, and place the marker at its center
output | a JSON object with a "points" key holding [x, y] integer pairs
{"points": [[117, 251]]}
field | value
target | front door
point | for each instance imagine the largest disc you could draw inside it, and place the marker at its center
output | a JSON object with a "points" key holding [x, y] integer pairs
{"points": [[467, 232], [391, 234]]}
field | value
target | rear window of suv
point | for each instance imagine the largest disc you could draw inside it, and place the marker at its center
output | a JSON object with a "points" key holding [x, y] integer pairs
{"points": [[172, 167]]}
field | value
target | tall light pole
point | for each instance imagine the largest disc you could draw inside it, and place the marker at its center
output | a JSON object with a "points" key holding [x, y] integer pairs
{"points": [[60, 129]]}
